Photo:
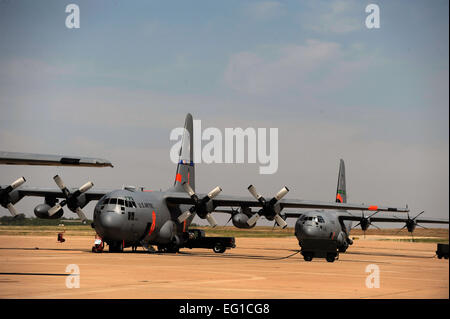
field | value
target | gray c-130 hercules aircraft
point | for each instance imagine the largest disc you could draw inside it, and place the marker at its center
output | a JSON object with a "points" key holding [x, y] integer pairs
{"points": [[327, 232], [130, 216]]}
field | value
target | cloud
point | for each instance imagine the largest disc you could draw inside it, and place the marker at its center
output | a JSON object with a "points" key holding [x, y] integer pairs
{"points": [[32, 70], [265, 10], [298, 68], [337, 17]]}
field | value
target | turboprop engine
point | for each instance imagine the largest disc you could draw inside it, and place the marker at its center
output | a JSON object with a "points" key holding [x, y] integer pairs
{"points": [[240, 219], [41, 210]]}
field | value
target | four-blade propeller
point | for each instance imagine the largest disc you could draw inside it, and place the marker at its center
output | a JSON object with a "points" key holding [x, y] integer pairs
{"points": [[411, 224], [5, 200], [365, 222], [201, 206], [269, 209], [71, 198]]}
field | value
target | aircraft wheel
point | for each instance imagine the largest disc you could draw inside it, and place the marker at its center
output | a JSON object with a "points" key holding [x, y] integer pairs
{"points": [[307, 256], [331, 257], [439, 256], [162, 249], [116, 247], [173, 250], [219, 249], [166, 249]]}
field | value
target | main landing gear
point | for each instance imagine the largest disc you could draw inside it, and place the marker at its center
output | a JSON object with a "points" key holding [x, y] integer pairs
{"points": [[171, 249], [115, 246]]}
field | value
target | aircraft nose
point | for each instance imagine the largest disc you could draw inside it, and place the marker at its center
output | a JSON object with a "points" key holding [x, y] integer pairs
{"points": [[110, 219], [307, 231]]}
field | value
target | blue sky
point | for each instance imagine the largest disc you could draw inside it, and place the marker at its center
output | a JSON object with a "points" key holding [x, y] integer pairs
{"points": [[121, 82]]}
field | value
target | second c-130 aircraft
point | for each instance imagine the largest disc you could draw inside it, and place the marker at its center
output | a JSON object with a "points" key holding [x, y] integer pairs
{"points": [[132, 217]]}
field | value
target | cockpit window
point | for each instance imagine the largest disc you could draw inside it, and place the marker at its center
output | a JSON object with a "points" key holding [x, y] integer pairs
{"points": [[113, 201], [120, 202], [320, 219]]}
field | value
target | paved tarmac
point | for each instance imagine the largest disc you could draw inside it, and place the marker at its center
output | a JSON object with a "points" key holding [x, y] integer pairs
{"points": [[35, 267]]}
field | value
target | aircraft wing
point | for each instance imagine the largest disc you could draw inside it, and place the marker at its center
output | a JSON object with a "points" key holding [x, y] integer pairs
{"points": [[247, 201], [378, 219], [92, 194], [395, 219], [13, 158]]}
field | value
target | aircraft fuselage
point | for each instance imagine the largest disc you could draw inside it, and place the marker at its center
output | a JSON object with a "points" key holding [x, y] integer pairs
{"points": [[133, 217], [316, 227]]}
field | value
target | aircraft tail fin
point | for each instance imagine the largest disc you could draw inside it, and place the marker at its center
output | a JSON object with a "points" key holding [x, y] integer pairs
{"points": [[341, 192], [185, 168]]}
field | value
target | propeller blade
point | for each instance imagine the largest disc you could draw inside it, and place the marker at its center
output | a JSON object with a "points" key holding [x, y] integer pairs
{"points": [[211, 220], [12, 209], [54, 209], [375, 226], [419, 214], [280, 221], [274, 225], [18, 182], [228, 221], [252, 220], [357, 225], [184, 216], [372, 215], [81, 214], [214, 192], [421, 226], [282, 193], [252, 191], [59, 182], [233, 212], [86, 187], [400, 230], [188, 189]]}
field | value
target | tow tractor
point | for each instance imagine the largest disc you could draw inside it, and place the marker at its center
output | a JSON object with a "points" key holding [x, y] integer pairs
{"points": [[196, 238], [319, 248]]}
